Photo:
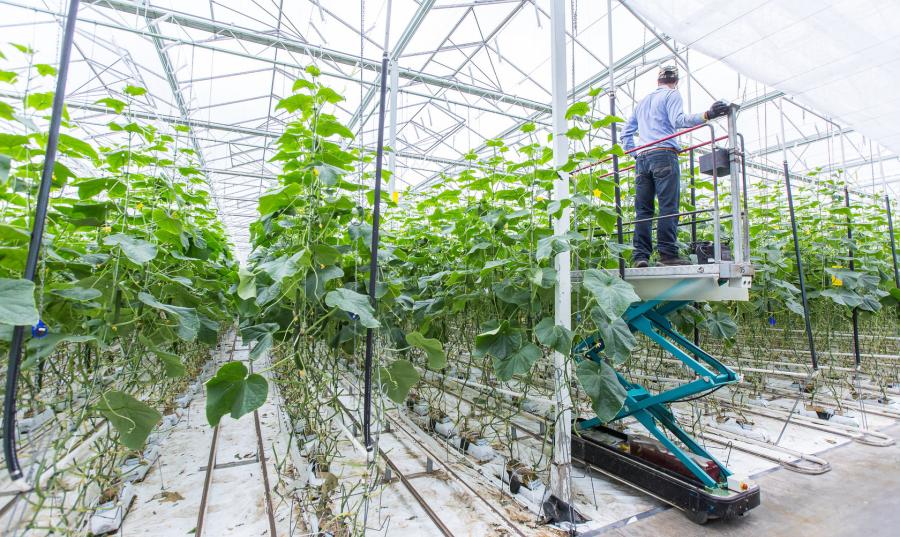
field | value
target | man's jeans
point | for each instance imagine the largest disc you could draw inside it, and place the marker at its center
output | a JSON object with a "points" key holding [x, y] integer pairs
{"points": [[658, 176]]}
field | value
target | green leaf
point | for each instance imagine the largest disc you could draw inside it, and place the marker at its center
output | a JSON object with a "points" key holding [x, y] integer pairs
{"points": [[297, 101], [171, 362], [612, 293], [281, 268], [247, 284], [9, 77], [603, 387], [314, 286], [257, 331], [7, 112], [278, 199], [313, 70], [24, 49], [137, 250], [354, 303], [39, 101], [45, 70], [79, 294], [544, 278], [549, 246], [133, 419], [498, 339], [517, 363], [720, 325], [618, 340], [113, 104], [75, 147], [260, 348], [4, 168], [233, 391], [135, 91], [578, 109], [556, 337], [17, 302], [397, 379], [39, 348], [329, 95], [432, 347], [188, 321]]}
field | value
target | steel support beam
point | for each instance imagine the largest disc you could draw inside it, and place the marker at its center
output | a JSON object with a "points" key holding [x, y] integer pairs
{"points": [[298, 47]]}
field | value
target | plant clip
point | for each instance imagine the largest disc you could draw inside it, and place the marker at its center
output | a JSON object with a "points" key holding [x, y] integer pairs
{"points": [[771, 320], [40, 329]]}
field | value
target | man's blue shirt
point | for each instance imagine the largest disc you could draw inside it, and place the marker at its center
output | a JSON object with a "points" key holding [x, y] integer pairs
{"points": [[658, 115]]}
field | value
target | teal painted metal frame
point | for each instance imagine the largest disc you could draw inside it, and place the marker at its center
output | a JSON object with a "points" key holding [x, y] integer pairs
{"points": [[650, 318]]}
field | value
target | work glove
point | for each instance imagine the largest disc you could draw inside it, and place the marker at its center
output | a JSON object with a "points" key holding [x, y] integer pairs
{"points": [[718, 109]]}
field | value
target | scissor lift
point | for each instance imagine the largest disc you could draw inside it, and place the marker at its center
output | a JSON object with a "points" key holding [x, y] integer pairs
{"points": [[681, 472]]}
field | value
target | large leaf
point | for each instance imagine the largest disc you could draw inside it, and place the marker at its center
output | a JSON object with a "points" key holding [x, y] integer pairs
{"points": [[354, 303], [188, 321], [432, 347], [397, 379], [720, 325], [137, 250], [556, 337], [549, 246], [314, 286], [281, 267], [133, 419], [612, 293], [17, 302], [79, 294], [602, 386], [232, 390], [498, 339], [265, 343], [171, 362], [257, 331], [517, 363], [40, 348], [246, 285], [618, 340]]}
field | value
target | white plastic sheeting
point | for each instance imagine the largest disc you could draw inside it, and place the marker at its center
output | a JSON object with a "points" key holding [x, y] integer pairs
{"points": [[841, 57]]}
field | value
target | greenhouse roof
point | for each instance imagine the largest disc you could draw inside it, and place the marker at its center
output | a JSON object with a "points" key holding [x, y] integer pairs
{"points": [[468, 71]]}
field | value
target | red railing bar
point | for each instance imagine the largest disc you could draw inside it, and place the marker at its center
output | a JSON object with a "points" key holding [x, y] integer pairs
{"points": [[638, 148]]}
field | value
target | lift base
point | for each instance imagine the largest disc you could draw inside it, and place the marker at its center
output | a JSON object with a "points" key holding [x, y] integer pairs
{"points": [[599, 447]]}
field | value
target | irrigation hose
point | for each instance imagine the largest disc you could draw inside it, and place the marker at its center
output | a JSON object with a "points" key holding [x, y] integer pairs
{"points": [[34, 248]]}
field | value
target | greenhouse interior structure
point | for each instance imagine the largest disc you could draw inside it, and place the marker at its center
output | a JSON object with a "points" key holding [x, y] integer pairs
{"points": [[449, 267]]}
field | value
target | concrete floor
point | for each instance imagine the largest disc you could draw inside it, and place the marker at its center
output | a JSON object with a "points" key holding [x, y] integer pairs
{"points": [[859, 496]]}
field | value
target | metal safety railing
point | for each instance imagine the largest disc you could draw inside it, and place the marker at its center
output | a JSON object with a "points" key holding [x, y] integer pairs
{"points": [[737, 193]]}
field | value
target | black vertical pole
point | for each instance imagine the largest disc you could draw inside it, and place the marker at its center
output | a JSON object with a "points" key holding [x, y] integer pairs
{"points": [[373, 259], [614, 135], [852, 266], [34, 246], [887, 203], [809, 334], [694, 228]]}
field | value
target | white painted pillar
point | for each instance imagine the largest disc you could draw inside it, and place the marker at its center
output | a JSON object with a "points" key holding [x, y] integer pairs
{"points": [[560, 477]]}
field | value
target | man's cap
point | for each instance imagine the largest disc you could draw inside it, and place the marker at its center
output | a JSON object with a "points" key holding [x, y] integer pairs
{"points": [[667, 74]]}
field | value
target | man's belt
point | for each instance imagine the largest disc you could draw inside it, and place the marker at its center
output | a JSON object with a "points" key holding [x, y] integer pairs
{"points": [[654, 149]]}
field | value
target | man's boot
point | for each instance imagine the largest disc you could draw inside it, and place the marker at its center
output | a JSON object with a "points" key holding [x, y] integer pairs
{"points": [[673, 261]]}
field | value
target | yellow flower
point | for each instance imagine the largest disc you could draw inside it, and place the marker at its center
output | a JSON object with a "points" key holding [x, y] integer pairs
{"points": [[316, 172], [597, 193], [139, 206], [107, 229], [540, 198], [395, 196]]}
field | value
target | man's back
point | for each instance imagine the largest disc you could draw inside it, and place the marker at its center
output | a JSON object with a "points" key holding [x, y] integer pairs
{"points": [[658, 115]]}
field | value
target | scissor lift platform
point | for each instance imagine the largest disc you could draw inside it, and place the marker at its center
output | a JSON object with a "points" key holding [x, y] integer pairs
{"points": [[712, 282]]}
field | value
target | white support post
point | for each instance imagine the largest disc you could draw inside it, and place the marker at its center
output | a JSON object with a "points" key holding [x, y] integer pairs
{"points": [[392, 129], [560, 477]]}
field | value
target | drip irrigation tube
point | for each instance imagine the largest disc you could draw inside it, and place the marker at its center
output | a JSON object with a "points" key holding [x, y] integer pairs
{"points": [[34, 248]]}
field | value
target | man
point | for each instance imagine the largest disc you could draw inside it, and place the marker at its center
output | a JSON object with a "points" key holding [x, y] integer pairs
{"points": [[658, 115]]}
